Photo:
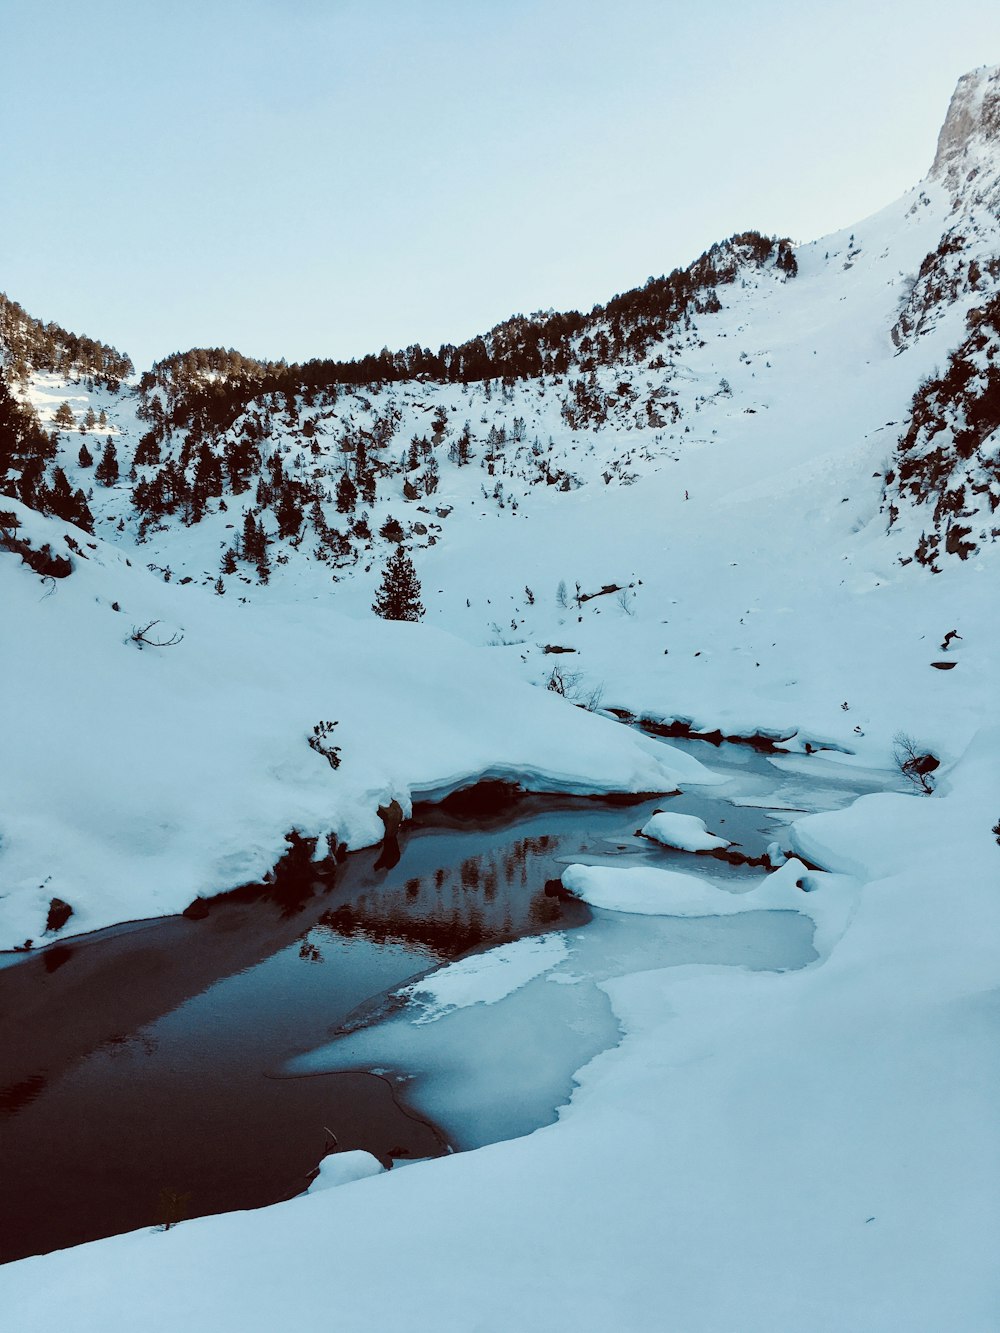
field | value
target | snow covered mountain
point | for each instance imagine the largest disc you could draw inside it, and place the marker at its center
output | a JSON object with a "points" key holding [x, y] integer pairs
{"points": [[562, 400], [756, 498]]}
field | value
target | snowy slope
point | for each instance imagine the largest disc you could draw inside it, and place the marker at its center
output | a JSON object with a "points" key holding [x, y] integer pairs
{"points": [[779, 411], [137, 777]]}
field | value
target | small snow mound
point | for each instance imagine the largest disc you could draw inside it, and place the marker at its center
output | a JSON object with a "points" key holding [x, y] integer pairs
{"points": [[686, 833], [343, 1168], [776, 855], [647, 891]]}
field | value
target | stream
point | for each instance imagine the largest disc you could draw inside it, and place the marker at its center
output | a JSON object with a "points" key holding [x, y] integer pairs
{"points": [[172, 1068]]}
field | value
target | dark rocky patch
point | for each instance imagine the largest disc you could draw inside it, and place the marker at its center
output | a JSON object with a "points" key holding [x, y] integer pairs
{"points": [[59, 913]]}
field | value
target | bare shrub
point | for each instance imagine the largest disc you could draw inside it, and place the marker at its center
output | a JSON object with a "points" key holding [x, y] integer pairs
{"points": [[915, 764]]}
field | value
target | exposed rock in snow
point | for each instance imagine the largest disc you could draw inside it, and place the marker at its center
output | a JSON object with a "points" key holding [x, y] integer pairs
{"points": [[972, 123]]}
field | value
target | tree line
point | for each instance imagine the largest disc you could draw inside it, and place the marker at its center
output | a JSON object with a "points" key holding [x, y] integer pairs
{"points": [[33, 345], [207, 388]]}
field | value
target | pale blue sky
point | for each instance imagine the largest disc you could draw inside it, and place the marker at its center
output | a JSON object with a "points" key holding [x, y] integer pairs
{"points": [[301, 179]]}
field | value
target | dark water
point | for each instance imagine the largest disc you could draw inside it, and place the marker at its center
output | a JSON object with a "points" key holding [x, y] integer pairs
{"points": [[138, 1064]]}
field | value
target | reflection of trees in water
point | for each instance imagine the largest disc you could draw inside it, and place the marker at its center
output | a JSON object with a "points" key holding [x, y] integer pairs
{"points": [[447, 937], [450, 914], [18, 1095], [469, 872], [490, 883], [129, 1043], [389, 853]]}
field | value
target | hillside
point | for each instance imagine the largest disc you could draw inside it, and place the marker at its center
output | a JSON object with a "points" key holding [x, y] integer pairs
{"points": [[855, 375], [756, 498]]}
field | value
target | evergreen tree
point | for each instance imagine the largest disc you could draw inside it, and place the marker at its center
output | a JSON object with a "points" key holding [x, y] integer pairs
{"points": [[347, 494], [252, 546], [64, 416], [207, 475], [367, 485], [461, 449], [398, 597], [86, 458], [106, 471], [229, 561], [288, 511], [392, 530], [147, 451], [66, 503]]}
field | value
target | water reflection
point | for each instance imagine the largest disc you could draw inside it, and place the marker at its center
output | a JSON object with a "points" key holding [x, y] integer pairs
{"points": [[139, 1060], [495, 896]]}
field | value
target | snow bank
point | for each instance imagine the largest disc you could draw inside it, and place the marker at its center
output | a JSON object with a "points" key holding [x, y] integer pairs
{"points": [[344, 1168], [135, 778], [649, 891], [811, 1150], [687, 833], [828, 899]]}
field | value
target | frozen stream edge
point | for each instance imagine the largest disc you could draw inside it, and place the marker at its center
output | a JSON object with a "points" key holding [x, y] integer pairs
{"points": [[540, 1009]]}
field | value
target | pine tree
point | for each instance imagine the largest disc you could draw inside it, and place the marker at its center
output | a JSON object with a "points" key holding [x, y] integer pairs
{"points": [[229, 561], [86, 458], [252, 545], [398, 597], [64, 416], [147, 451], [288, 512], [461, 449], [106, 471], [392, 530], [347, 494]]}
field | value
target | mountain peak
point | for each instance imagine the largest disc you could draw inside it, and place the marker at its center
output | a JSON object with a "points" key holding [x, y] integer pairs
{"points": [[973, 121]]}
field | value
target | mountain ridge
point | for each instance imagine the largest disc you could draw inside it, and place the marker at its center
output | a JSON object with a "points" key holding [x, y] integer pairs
{"points": [[341, 451]]}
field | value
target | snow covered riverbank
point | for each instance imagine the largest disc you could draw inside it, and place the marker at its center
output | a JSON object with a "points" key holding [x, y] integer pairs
{"points": [[137, 777], [813, 1149]]}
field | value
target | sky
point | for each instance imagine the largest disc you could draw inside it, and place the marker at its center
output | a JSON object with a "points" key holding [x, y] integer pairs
{"points": [[305, 178]]}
